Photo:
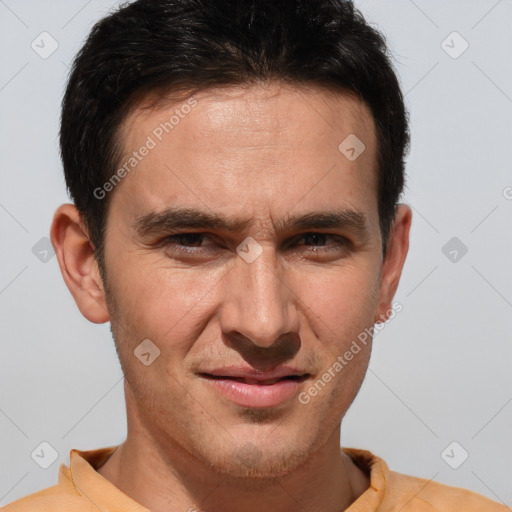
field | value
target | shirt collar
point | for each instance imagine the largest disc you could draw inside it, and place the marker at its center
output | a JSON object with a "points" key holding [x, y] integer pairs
{"points": [[105, 496], [93, 486], [378, 471]]}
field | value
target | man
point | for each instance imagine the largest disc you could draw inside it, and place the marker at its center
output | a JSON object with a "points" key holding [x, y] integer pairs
{"points": [[235, 169]]}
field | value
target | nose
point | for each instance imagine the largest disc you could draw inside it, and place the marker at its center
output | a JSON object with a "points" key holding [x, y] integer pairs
{"points": [[258, 303]]}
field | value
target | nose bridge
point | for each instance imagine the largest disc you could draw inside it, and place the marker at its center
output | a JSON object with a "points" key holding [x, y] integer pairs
{"points": [[258, 304]]}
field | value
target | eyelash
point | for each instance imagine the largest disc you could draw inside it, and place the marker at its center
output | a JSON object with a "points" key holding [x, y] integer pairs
{"points": [[180, 248]]}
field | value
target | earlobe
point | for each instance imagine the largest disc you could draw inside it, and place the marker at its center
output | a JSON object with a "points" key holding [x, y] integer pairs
{"points": [[77, 262], [397, 247]]}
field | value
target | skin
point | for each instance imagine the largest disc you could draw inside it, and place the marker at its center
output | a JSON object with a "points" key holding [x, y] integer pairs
{"points": [[259, 153]]}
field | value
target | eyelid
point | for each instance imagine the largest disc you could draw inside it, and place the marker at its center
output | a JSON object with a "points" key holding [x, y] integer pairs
{"points": [[168, 238], [321, 233], [339, 240], [213, 236]]}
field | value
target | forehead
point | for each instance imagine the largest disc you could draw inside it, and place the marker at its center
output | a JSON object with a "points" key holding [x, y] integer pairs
{"points": [[294, 111], [224, 147]]}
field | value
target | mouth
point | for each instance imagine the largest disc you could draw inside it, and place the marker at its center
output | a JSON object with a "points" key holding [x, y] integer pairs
{"points": [[251, 392], [256, 382]]}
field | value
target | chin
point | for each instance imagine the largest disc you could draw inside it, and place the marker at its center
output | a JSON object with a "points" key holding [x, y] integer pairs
{"points": [[259, 463]]}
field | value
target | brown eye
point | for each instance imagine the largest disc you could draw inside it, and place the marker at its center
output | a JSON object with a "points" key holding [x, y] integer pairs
{"points": [[319, 240], [186, 238], [186, 243]]}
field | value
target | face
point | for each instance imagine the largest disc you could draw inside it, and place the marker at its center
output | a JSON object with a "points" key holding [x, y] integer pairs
{"points": [[285, 279]]}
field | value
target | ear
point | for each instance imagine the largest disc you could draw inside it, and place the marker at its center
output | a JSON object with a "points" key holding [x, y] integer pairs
{"points": [[397, 247], [77, 262]]}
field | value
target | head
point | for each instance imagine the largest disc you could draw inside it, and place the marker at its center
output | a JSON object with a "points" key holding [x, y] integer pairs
{"points": [[235, 169]]}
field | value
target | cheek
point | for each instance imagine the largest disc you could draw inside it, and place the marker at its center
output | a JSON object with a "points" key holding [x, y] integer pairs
{"points": [[156, 300], [341, 303]]}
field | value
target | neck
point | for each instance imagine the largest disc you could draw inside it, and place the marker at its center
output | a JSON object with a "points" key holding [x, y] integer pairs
{"points": [[156, 475]]}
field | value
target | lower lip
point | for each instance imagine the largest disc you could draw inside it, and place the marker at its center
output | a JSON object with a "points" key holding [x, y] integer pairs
{"points": [[256, 395]]}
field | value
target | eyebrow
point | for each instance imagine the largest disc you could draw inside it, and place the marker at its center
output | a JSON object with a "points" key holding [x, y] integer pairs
{"points": [[172, 219]]}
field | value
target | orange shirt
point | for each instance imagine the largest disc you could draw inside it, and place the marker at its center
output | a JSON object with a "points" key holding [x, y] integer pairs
{"points": [[82, 489]]}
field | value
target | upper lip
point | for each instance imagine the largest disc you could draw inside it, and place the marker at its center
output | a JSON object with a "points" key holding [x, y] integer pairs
{"points": [[247, 372]]}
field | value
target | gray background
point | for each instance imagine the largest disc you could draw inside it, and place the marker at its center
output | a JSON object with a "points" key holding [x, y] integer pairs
{"points": [[440, 370]]}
